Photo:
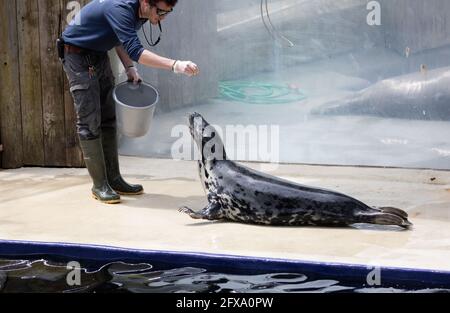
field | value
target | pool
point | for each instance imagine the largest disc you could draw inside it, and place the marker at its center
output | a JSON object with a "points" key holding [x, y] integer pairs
{"points": [[48, 267]]}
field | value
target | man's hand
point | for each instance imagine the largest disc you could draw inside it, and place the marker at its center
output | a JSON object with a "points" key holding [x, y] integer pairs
{"points": [[186, 67], [133, 75]]}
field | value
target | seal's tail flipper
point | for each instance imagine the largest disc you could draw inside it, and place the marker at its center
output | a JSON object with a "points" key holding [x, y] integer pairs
{"points": [[394, 211], [389, 216]]}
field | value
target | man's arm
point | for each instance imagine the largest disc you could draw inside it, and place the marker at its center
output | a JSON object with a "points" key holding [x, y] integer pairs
{"points": [[127, 62], [123, 23], [151, 59], [122, 20], [123, 56]]}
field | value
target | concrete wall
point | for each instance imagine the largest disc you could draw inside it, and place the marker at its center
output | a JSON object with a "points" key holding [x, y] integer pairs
{"points": [[325, 28], [417, 24], [318, 28]]}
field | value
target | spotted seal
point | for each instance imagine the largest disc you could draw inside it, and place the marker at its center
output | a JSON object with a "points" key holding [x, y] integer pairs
{"points": [[241, 194]]}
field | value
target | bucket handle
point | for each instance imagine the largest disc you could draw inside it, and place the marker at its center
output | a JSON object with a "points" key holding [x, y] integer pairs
{"points": [[134, 86]]}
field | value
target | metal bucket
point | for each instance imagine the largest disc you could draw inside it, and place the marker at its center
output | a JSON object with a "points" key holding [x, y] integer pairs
{"points": [[135, 107]]}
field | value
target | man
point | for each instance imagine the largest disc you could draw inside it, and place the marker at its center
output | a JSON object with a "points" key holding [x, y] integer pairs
{"points": [[100, 26]]}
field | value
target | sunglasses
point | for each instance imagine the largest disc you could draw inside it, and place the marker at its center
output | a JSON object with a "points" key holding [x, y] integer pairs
{"points": [[162, 12]]}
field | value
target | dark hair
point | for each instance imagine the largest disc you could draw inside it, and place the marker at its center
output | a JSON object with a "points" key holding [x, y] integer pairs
{"points": [[172, 3]]}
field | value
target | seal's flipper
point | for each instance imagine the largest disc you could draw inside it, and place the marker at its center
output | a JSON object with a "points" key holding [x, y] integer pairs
{"points": [[191, 213], [386, 219], [211, 212], [394, 211]]}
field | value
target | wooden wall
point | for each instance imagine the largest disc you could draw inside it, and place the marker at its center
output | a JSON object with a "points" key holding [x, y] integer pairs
{"points": [[37, 119]]}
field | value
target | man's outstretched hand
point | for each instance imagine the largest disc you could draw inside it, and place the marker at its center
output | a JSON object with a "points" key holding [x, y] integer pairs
{"points": [[186, 67]]}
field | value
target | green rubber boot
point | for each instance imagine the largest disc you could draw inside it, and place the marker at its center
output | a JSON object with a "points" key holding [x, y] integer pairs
{"points": [[95, 163], [115, 179]]}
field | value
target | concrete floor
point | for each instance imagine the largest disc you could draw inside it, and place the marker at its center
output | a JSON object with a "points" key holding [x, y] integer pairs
{"points": [[54, 205]]}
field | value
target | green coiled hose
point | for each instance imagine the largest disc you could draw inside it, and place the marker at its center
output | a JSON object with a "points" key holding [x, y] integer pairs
{"points": [[259, 93]]}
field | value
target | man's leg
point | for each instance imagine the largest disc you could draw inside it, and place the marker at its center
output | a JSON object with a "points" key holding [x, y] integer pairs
{"points": [[109, 134], [85, 90]]}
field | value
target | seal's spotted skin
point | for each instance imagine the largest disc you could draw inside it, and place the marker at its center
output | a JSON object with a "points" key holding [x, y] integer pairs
{"points": [[241, 194]]}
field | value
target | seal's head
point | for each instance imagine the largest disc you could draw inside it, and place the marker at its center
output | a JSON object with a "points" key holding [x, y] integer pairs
{"points": [[206, 138], [197, 125]]}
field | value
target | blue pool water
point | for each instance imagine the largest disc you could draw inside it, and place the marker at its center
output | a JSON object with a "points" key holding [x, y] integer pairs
{"points": [[43, 267], [44, 276]]}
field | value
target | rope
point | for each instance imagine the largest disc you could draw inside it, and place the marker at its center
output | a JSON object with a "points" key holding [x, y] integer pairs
{"points": [[271, 28]]}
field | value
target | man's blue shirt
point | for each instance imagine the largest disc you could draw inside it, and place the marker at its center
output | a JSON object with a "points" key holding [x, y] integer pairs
{"points": [[103, 24]]}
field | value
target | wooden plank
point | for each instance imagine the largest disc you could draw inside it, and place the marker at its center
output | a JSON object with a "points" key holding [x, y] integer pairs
{"points": [[52, 84], [30, 82], [74, 156], [11, 124], [1, 146]]}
